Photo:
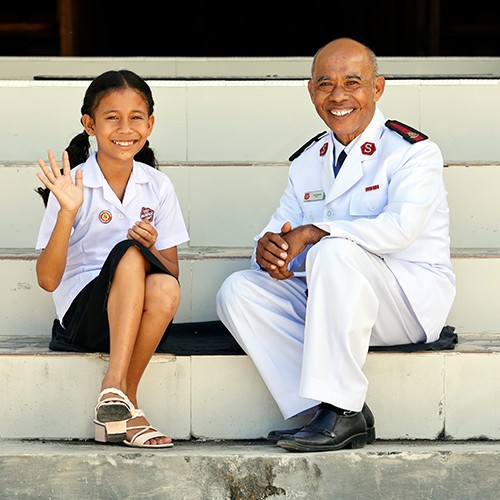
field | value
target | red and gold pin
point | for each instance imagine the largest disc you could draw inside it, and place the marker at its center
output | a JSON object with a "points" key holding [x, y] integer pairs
{"points": [[105, 216], [324, 149]]}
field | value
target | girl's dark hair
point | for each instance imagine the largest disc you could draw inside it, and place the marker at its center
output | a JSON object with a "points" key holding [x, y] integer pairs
{"points": [[79, 147]]}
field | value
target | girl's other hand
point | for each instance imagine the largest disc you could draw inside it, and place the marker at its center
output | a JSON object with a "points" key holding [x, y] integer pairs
{"points": [[144, 233]]}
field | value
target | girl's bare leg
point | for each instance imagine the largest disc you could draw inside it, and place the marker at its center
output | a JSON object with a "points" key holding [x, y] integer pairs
{"points": [[140, 307], [161, 302], [125, 306]]}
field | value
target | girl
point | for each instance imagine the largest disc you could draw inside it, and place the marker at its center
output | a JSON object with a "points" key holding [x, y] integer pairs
{"points": [[108, 249]]}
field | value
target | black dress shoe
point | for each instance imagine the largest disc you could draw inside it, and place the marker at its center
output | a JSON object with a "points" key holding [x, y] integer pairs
{"points": [[274, 436], [327, 431], [370, 424]]}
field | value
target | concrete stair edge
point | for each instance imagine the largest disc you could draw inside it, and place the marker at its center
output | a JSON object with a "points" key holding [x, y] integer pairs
{"points": [[249, 470], [227, 252]]}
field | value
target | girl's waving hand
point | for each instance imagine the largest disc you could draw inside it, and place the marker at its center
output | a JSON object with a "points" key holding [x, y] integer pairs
{"points": [[69, 194]]}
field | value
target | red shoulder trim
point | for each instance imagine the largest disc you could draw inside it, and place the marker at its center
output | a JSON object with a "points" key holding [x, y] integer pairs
{"points": [[408, 133]]}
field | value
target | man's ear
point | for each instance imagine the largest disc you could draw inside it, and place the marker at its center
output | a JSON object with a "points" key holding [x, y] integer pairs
{"points": [[88, 124], [310, 89], [379, 88]]}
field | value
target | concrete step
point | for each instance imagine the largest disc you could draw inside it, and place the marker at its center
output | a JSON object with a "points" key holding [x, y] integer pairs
{"points": [[26, 309], [202, 120], [213, 253], [227, 204], [245, 470], [432, 395]]}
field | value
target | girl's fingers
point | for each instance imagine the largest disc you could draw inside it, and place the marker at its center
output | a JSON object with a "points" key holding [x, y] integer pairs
{"points": [[53, 163], [54, 172], [46, 171], [66, 165], [79, 178], [146, 229], [44, 179]]}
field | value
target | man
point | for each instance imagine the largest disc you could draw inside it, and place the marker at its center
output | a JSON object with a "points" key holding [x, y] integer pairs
{"points": [[352, 258]]}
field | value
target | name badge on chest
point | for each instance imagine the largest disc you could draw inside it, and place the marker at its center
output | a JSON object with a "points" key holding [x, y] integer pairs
{"points": [[314, 195]]}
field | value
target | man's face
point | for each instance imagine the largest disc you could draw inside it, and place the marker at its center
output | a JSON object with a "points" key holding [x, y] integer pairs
{"points": [[344, 89]]}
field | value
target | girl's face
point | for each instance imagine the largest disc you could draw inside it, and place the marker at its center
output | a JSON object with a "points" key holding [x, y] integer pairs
{"points": [[121, 125]]}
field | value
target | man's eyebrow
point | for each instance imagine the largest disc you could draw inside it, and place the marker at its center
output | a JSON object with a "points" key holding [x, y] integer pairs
{"points": [[354, 76]]}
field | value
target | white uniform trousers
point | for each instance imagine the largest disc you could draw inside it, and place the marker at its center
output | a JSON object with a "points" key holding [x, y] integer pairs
{"points": [[311, 346]]}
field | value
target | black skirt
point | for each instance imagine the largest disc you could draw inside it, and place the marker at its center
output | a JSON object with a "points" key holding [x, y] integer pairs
{"points": [[86, 326]]}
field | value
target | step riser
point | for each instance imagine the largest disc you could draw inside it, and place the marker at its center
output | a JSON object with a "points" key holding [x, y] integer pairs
{"points": [[26, 309], [201, 121], [413, 396], [242, 199]]}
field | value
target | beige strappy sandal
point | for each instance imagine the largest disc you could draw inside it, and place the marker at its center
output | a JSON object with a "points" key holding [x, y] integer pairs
{"points": [[111, 415], [145, 433]]}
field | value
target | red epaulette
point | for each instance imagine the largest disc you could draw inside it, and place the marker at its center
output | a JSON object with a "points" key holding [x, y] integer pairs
{"points": [[405, 131]]}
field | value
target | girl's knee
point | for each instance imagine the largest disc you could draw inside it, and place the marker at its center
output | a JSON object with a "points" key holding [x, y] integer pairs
{"points": [[162, 293], [132, 259]]}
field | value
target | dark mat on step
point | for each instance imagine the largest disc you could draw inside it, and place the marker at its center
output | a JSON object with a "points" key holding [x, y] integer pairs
{"points": [[212, 338]]}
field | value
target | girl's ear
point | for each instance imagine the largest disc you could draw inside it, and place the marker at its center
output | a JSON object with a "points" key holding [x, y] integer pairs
{"points": [[151, 122], [88, 124]]}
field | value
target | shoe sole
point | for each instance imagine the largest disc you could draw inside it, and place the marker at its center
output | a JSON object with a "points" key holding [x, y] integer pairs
{"points": [[128, 443], [117, 438], [113, 413], [370, 435], [354, 442]]}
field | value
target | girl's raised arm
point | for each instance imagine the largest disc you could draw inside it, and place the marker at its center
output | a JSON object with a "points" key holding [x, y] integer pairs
{"points": [[52, 260]]}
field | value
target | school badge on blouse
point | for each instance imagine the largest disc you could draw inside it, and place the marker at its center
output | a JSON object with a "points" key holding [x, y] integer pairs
{"points": [[105, 216], [147, 214]]}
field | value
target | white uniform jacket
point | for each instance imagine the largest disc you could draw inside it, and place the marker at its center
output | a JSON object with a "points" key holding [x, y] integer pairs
{"points": [[389, 197]]}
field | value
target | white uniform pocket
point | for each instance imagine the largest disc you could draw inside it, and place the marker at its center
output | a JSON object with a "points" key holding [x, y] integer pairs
{"points": [[368, 203]]}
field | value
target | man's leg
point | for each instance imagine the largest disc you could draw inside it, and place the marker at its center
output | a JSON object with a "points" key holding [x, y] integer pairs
{"points": [[354, 302], [266, 317]]}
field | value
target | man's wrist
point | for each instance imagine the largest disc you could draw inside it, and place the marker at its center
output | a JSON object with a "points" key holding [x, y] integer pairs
{"points": [[314, 233]]}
